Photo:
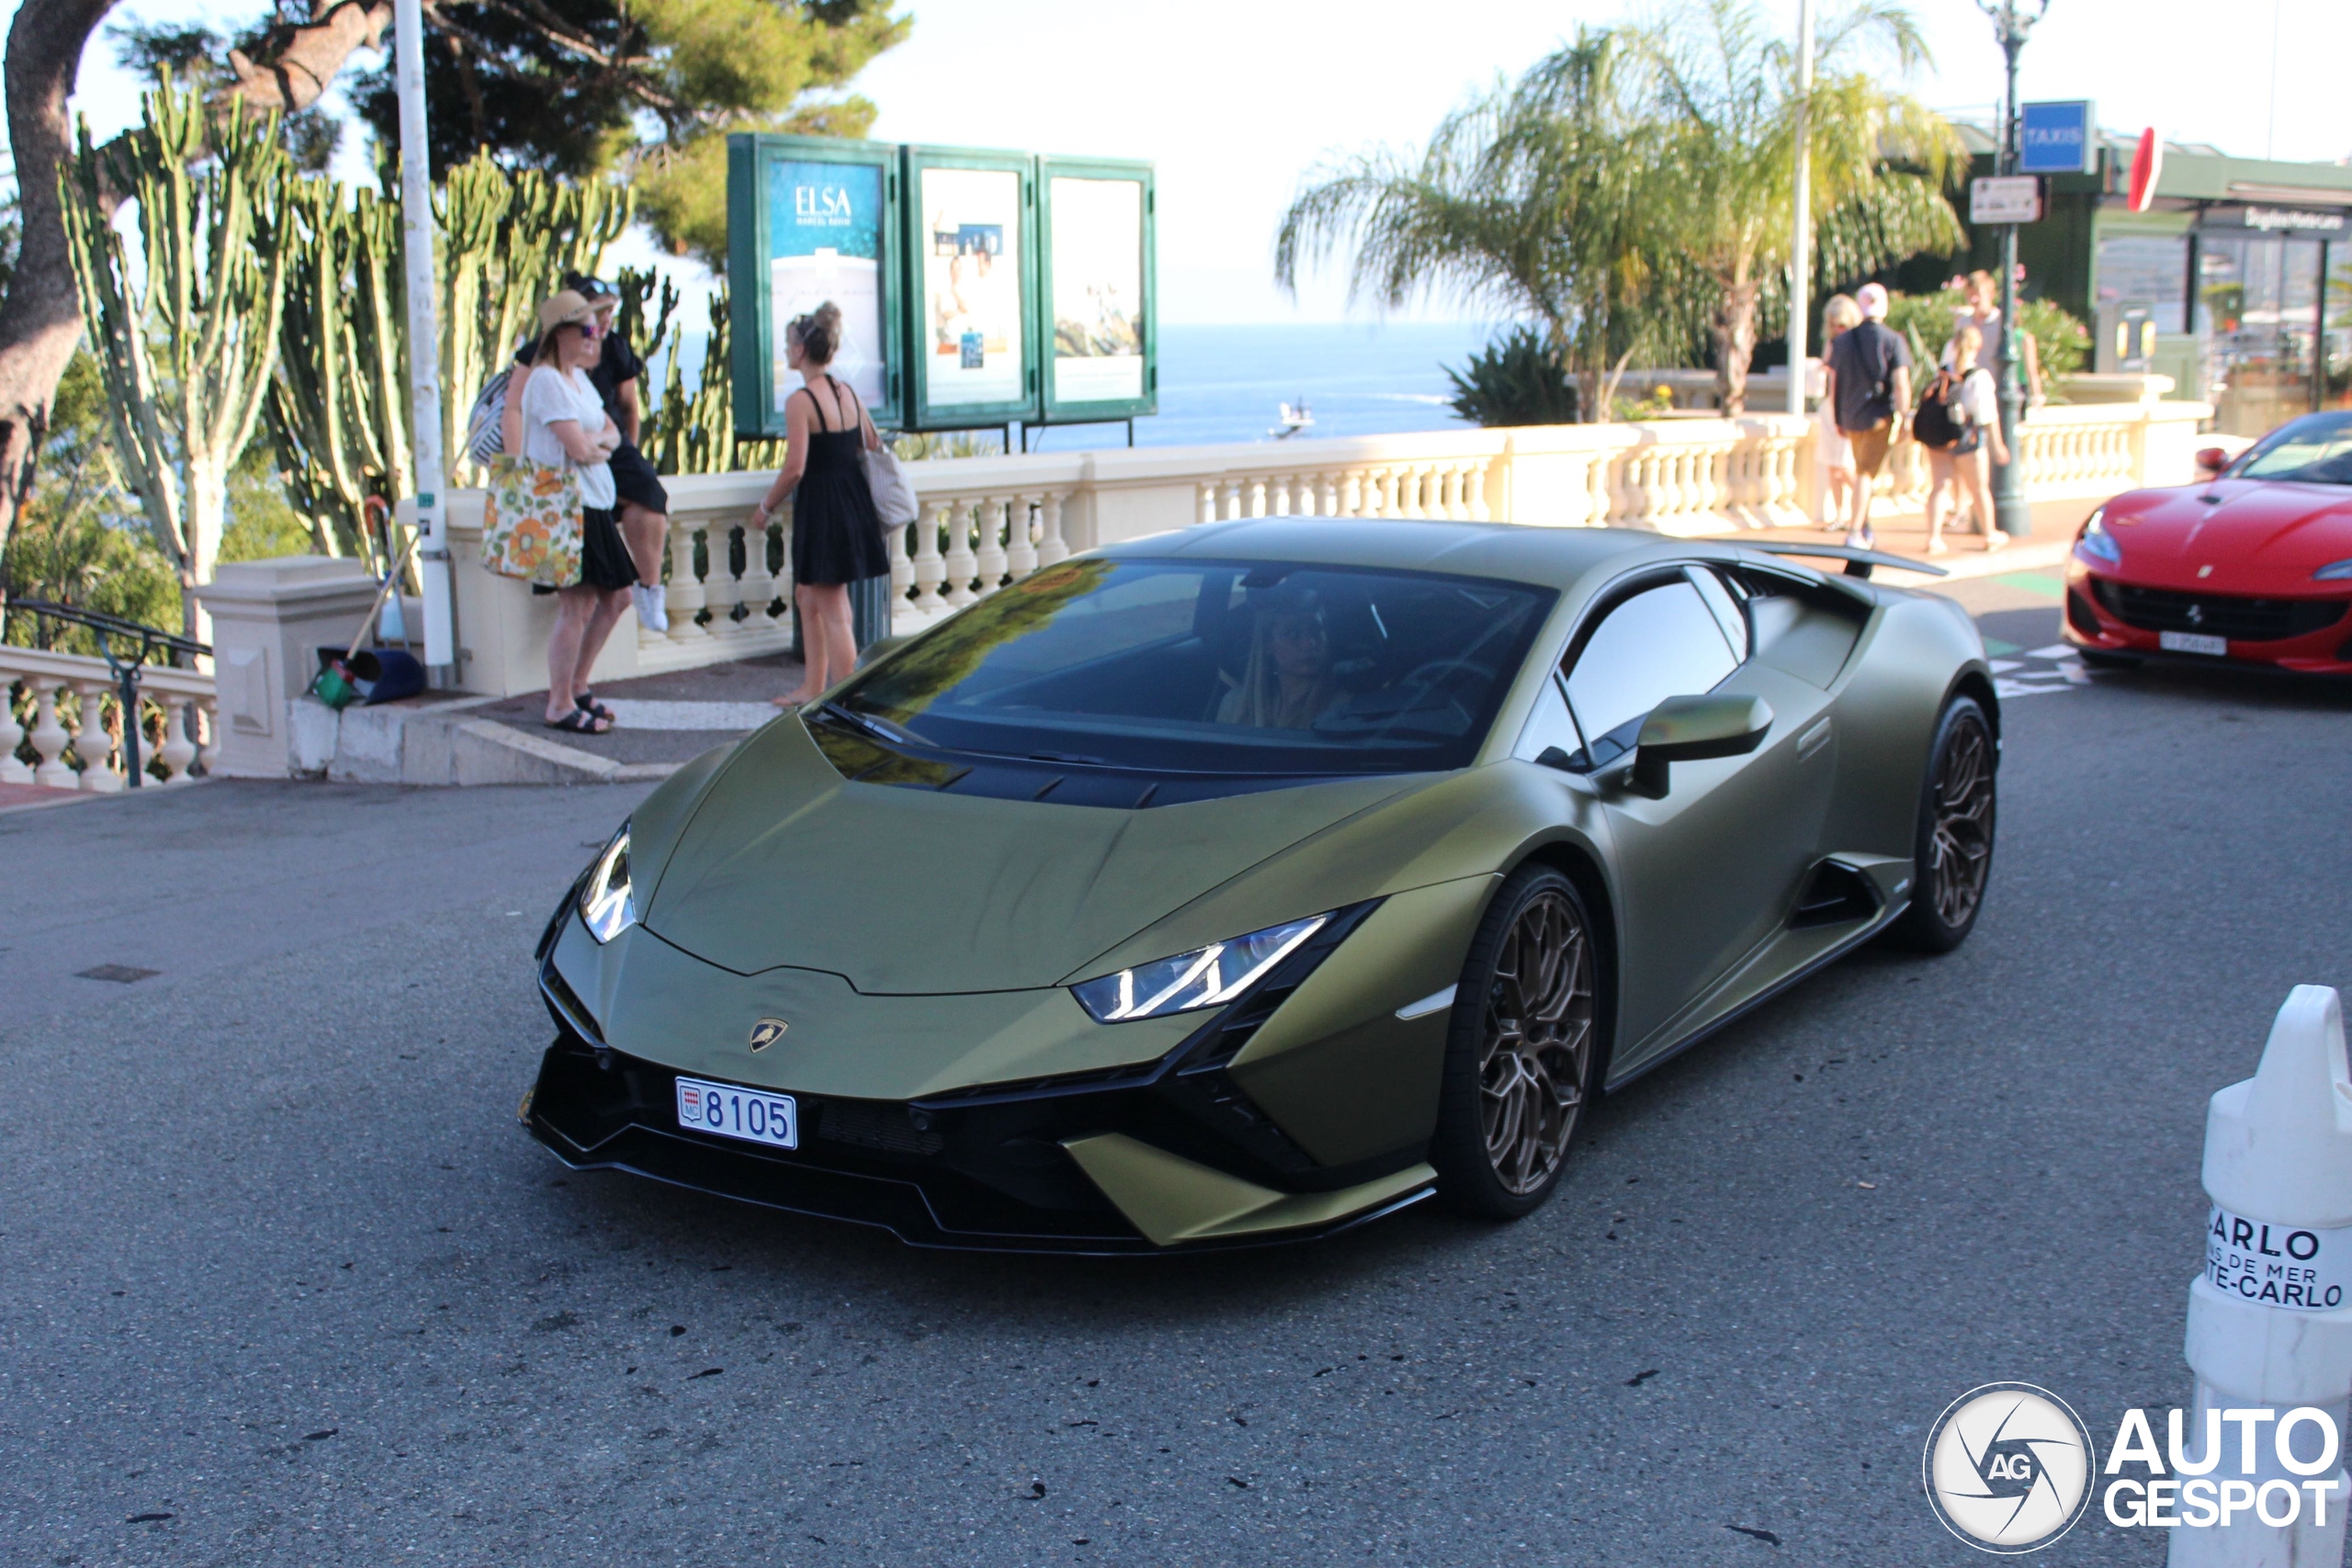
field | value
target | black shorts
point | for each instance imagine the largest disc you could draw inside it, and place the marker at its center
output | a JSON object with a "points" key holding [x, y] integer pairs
{"points": [[635, 481]]}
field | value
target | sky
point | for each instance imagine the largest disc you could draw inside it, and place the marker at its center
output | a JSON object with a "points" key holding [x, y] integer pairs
{"points": [[1236, 100]]}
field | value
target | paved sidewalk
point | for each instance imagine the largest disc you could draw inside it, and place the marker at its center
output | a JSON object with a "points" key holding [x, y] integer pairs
{"points": [[32, 797], [2055, 523], [665, 719]]}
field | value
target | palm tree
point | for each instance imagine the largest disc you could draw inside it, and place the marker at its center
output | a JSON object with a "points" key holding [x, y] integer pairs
{"points": [[1722, 91], [1530, 199]]}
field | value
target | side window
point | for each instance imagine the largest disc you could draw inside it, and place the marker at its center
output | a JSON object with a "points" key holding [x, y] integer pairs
{"points": [[1548, 726], [1663, 642], [1728, 613]]}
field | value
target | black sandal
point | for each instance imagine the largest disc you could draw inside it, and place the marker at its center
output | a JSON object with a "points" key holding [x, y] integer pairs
{"points": [[586, 703], [578, 721]]}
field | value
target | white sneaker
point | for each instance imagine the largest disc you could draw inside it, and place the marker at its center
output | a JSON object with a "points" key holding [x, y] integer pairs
{"points": [[651, 612]]}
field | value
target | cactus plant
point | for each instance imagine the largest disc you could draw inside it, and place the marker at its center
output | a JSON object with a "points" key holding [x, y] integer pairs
{"points": [[338, 406], [184, 341], [695, 433]]}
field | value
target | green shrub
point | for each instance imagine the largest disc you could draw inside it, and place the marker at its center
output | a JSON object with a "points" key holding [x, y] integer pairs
{"points": [[1514, 380], [1926, 320]]}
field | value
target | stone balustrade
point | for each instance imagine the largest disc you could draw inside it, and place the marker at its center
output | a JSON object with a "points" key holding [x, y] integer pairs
{"points": [[64, 703], [989, 521]]}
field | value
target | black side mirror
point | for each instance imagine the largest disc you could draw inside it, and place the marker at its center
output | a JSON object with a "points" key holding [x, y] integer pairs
{"points": [[1553, 757], [1683, 730]]}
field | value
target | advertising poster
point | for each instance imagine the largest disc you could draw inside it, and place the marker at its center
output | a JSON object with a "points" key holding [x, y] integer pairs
{"points": [[824, 243], [971, 287], [1098, 290]]}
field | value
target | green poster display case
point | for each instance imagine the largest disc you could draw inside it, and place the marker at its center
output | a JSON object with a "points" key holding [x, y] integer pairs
{"points": [[1098, 298], [811, 219], [971, 283]]}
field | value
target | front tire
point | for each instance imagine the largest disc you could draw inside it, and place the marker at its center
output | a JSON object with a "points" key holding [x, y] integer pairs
{"points": [[1521, 1049], [1952, 856]]}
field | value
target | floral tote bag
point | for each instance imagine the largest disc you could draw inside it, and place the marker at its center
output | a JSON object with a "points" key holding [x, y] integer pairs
{"points": [[530, 524]]}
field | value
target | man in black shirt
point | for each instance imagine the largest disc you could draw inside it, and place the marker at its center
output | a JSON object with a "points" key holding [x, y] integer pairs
{"points": [[1869, 391]]}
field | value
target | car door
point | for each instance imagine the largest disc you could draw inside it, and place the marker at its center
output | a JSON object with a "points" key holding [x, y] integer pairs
{"points": [[1712, 868]]}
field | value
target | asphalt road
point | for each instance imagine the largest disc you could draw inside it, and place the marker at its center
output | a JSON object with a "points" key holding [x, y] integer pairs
{"points": [[281, 1282]]}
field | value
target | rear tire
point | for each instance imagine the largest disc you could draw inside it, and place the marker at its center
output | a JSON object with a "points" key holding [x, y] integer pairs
{"points": [[1951, 857], [1521, 1049]]}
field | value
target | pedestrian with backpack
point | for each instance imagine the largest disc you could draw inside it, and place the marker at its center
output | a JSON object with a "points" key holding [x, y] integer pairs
{"points": [[1959, 424], [1869, 389]]}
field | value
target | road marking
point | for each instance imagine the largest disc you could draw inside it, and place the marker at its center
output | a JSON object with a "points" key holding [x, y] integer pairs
{"points": [[632, 713], [2056, 667], [2040, 582]]}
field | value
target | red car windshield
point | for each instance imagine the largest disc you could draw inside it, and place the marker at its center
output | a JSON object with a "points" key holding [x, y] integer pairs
{"points": [[2314, 450]]}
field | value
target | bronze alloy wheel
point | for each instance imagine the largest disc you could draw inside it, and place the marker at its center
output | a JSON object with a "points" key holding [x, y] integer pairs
{"points": [[1953, 853], [1960, 831], [1536, 1043]]}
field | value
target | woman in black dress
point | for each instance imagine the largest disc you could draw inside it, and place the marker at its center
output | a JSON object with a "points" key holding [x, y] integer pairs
{"points": [[836, 533]]}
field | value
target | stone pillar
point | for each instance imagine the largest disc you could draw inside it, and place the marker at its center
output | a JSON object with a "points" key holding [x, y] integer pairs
{"points": [[269, 619]]}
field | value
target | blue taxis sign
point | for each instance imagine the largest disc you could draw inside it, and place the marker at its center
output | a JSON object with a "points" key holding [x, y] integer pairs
{"points": [[2059, 139]]}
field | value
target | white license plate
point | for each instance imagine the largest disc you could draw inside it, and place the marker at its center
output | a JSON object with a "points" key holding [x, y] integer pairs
{"points": [[2193, 642], [732, 1111]]}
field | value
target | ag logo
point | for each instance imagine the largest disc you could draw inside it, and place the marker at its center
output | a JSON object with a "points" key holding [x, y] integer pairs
{"points": [[767, 1031], [2007, 1467]]}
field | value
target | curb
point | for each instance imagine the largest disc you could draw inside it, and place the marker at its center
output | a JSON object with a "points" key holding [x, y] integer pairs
{"points": [[441, 746]]}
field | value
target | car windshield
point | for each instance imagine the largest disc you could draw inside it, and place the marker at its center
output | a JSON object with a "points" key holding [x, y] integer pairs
{"points": [[2316, 450], [1218, 668]]}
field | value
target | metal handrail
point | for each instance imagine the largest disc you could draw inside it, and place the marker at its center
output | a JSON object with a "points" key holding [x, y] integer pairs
{"points": [[125, 670]]}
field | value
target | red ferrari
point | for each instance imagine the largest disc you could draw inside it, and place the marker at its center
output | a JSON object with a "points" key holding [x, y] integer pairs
{"points": [[2253, 565]]}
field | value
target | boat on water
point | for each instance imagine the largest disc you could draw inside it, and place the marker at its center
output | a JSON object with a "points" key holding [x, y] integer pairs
{"points": [[1295, 417]]}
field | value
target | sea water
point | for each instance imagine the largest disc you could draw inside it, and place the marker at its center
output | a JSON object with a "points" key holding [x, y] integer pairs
{"points": [[1222, 383], [1228, 383]]}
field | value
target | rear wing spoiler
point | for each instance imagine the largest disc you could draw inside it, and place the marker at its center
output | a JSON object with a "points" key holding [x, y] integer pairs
{"points": [[1857, 562]]}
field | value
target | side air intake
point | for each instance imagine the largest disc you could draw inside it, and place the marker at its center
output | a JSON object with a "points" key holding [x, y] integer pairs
{"points": [[1835, 895]]}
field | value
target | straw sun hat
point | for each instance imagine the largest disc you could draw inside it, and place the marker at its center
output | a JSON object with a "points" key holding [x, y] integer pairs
{"points": [[564, 308]]}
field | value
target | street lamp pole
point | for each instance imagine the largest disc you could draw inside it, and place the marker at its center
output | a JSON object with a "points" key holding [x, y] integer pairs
{"points": [[424, 346], [2011, 23], [1801, 211]]}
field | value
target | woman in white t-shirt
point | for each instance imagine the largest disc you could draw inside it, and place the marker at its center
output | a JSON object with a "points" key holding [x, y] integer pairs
{"points": [[1960, 468], [565, 425]]}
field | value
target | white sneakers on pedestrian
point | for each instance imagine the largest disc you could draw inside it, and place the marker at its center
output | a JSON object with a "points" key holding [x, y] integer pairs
{"points": [[652, 614]]}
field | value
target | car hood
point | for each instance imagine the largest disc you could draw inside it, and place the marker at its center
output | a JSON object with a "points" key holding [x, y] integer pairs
{"points": [[908, 891], [2259, 537]]}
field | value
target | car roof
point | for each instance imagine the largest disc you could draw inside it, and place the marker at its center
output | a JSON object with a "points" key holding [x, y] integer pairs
{"points": [[1511, 552]]}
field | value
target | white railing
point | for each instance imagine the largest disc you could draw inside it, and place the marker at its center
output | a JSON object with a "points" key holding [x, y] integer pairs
{"points": [[990, 521], [64, 703]]}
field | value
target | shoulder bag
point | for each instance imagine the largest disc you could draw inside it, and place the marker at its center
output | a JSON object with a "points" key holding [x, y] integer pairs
{"points": [[530, 523], [886, 477]]}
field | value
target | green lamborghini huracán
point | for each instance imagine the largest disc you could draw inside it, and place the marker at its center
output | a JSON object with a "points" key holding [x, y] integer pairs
{"points": [[1249, 882]]}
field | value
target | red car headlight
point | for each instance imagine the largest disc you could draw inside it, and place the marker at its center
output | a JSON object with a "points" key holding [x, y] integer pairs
{"points": [[2096, 543]]}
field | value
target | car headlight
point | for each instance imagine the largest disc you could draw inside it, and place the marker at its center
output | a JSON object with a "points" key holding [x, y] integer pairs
{"points": [[2333, 571], [1205, 978], [2096, 541], [607, 904]]}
